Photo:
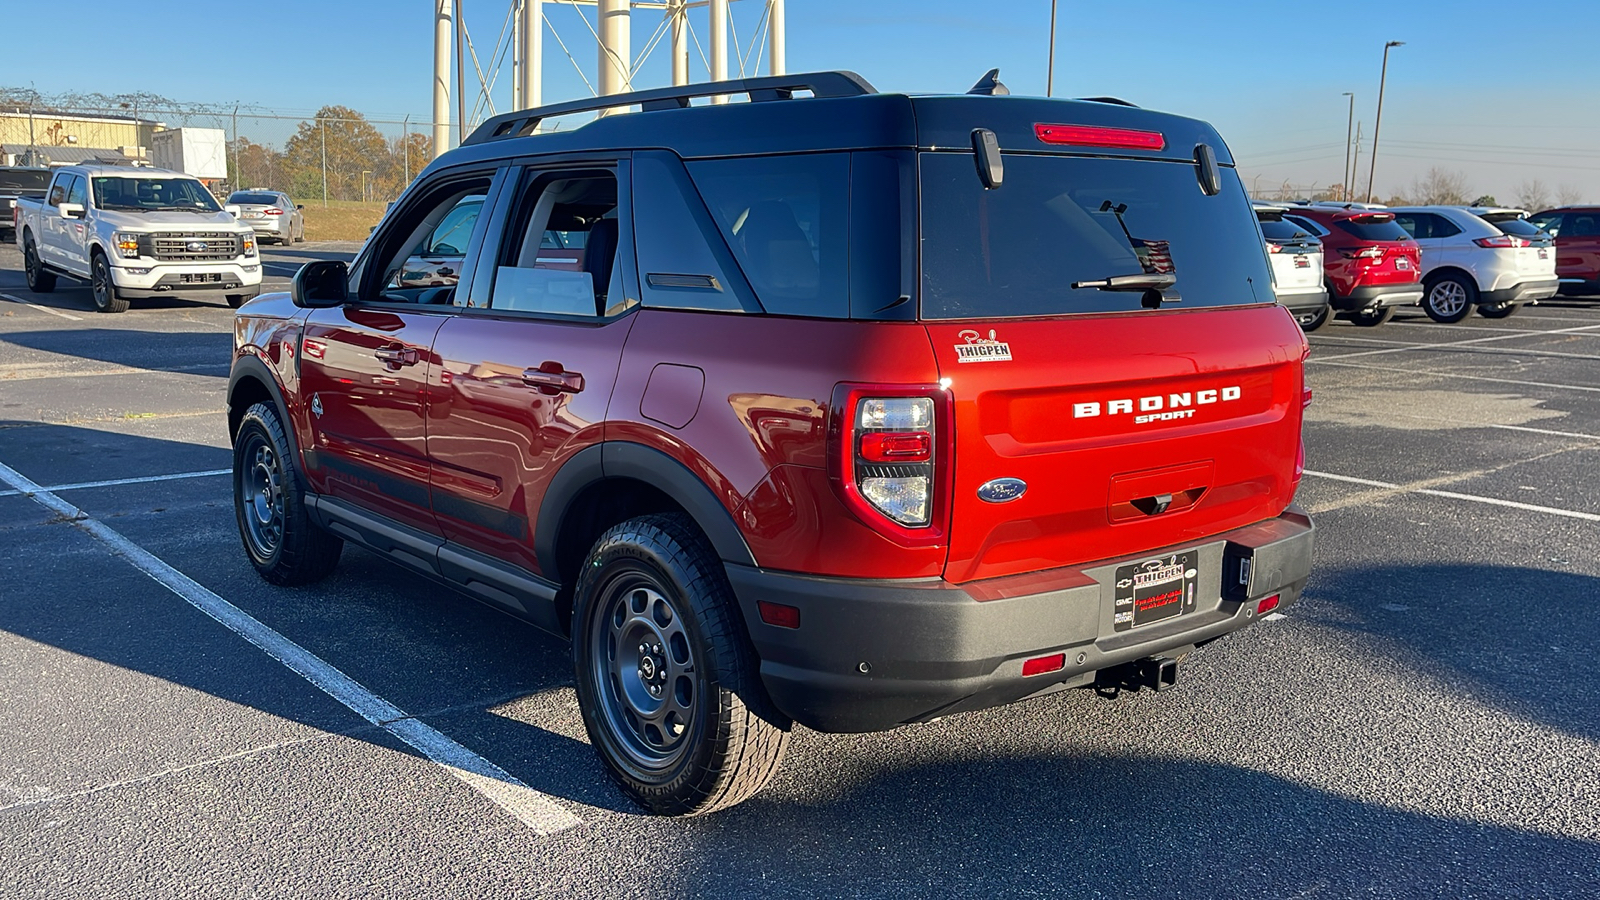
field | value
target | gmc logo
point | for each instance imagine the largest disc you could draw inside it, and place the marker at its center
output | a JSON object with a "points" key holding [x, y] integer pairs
{"points": [[1159, 407]]}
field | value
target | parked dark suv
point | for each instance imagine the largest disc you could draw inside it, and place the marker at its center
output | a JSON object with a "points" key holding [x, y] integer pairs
{"points": [[846, 410]]}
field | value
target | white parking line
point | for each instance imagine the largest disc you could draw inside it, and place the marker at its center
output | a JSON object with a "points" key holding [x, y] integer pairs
{"points": [[1452, 495], [53, 312], [536, 810], [1449, 344], [1454, 375], [53, 488]]}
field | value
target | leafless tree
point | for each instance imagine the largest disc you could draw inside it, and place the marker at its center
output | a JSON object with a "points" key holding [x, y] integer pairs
{"points": [[1569, 194], [1440, 187], [1532, 195]]}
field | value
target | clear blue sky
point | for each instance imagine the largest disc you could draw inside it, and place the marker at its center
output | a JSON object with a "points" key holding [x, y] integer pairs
{"points": [[1503, 91]]}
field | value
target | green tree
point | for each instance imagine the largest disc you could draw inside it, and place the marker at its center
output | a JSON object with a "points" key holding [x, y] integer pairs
{"points": [[342, 143]]}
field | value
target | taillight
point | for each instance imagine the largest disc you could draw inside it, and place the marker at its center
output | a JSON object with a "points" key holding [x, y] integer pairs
{"points": [[891, 455], [1100, 136], [1503, 241], [273, 211], [1274, 248], [1373, 252]]}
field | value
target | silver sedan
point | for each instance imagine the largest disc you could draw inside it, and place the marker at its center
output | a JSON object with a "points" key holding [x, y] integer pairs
{"points": [[272, 214]]}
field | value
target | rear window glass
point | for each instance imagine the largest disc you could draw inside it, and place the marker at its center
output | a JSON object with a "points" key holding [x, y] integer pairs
{"points": [[1520, 227], [258, 199], [1373, 228], [24, 181], [1284, 231], [1016, 250]]}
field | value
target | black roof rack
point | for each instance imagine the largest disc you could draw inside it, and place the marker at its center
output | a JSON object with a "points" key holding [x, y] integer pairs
{"points": [[775, 87]]}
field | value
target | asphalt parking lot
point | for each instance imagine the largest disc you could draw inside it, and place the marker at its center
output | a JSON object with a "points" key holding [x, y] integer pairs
{"points": [[1424, 723]]}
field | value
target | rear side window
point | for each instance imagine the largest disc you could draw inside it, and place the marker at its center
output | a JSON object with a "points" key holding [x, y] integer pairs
{"points": [[786, 220], [1017, 249], [1373, 228], [1550, 224], [25, 181], [1309, 225]]}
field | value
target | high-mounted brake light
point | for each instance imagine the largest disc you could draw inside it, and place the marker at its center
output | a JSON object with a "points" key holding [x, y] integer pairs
{"points": [[1503, 241], [1100, 136]]}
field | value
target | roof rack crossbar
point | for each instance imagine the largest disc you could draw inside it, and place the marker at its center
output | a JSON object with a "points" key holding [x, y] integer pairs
{"points": [[776, 87]]}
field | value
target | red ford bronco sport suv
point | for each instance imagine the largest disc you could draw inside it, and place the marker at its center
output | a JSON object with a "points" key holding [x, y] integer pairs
{"points": [[847, 410]]}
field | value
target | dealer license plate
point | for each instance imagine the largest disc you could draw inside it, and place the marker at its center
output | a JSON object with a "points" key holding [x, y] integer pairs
{"points": [[1155, 589], [1402, 263], [1544, 253]]}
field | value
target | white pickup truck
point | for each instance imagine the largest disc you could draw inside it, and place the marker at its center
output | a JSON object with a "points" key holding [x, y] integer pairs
{"points": [[136, 233]]}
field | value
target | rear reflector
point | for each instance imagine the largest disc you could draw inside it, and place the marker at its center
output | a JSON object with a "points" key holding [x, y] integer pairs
{"points": [[1040, 665], [1267, 605], [1100, 136], [778, 614]]}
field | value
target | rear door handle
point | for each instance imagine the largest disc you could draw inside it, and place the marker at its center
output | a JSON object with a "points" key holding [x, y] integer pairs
{"points": [[395, 357], [551, 378]]}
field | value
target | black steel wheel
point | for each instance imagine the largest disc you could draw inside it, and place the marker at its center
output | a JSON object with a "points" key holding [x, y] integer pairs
{"points": [[280, 539], [666, 677], [105, 291], [1372, 318], [1449, 298], [1498, 310], [40, 279]]}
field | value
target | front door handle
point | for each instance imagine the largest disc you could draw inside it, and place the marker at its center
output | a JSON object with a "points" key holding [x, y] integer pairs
{"points": [[551, 378], [395, 357]]}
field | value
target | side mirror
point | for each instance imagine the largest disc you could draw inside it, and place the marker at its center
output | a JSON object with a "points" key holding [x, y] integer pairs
{"points": [[299, 206], [232, 210], [320, 284], [71, 210]]}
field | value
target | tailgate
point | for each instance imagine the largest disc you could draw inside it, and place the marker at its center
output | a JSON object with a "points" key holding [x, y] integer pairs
{"points": [[1106, 419], [1292, 269]]}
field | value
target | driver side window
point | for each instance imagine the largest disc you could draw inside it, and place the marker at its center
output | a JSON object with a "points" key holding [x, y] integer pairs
{"points": [[425, 266]]}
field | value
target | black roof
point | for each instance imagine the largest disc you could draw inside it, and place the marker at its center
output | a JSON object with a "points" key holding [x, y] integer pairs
{"points": [[842, 112]]}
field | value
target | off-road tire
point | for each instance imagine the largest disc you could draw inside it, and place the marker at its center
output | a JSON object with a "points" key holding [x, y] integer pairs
{"points": [[1449, 298], [1498, 310], [1313, 321], [237, 300], [40, 279], [103, 288], [1372, 318], [269, 497], [659, 573]]}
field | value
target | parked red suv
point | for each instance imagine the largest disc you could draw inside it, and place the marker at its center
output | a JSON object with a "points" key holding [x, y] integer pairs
{"points": [[1372, 265], [1577, 233], [856, 410]]}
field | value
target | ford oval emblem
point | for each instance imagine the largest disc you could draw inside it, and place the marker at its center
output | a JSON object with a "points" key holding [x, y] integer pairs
{"points": [[197, 246], [1002, 490]]}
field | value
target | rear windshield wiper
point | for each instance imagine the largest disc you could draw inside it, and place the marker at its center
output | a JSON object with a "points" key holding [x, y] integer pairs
{"points": [[1136, 283]]}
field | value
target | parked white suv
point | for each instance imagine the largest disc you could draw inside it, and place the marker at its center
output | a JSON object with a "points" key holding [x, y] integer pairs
{"points": [[1467, 261], [1296, 256]]}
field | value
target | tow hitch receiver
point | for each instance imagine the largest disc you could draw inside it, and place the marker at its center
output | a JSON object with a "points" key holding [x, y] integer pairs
{"points": [[1155, 673]]}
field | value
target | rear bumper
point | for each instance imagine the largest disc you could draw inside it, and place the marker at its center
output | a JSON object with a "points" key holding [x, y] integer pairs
{"points": [[1304, 303], [1579, 287], [930, 648], [1378, 297], [1524, 292]]}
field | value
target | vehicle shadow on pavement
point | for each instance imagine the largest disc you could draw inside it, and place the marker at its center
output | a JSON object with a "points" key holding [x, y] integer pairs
{"points": [[1123, 826], [1525, 646], [156, 351]]}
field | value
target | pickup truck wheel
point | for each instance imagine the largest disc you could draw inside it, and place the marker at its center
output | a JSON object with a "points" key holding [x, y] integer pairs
{"points": [[237, 300], [283, 544], [1498, 310], [1372, 318], [40, 280], [105, 292], [1312, 321], [1449, 298], [666, 677]]}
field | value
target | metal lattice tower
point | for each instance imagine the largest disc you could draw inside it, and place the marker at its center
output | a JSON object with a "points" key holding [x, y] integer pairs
{"points": [[612, 36]]}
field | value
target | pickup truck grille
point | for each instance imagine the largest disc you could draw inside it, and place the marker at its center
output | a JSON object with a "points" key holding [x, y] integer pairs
{"points": [[196, 245]]}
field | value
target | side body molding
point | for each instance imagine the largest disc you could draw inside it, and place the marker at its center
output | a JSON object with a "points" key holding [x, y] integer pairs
{"points": [[624, 459]]}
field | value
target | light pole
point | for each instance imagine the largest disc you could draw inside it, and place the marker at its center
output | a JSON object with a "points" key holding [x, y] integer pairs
{"points": [[1383, 76], [365, 175], [1347, 175], [1050, 69]]}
